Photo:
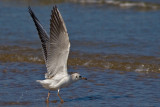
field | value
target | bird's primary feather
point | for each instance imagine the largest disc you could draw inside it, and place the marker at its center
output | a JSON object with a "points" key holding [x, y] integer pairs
{"points": [[56, 48], [42, 34]]}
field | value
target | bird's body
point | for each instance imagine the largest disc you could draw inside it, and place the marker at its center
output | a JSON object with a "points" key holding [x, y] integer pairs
{"points": [[55, 49], [53, 84]]}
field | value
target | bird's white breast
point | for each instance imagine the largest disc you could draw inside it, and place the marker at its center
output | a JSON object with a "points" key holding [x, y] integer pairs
{"points": [[64, 82]]}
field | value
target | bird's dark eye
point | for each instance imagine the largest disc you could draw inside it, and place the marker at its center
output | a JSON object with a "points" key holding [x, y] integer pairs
{"points": [[76, 76], [80, 76]]}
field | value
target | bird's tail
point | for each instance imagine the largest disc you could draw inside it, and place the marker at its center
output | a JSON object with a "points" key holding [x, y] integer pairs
{"points": [[39, 81], [44, 83]]}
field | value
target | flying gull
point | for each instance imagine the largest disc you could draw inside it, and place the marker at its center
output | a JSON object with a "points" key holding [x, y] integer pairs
{"points": [[55, 49]]}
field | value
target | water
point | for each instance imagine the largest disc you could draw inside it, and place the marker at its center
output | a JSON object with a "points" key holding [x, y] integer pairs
{"points": [[115, 44]]}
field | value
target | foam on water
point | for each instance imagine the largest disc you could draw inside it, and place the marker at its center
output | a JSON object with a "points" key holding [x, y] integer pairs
{"points": [[88, 60], [121, 3], [141, 4]]}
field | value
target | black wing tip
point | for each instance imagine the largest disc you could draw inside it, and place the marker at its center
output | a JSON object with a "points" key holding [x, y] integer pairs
{"points": [[55, 8], [29, 7], [32, 14], [54, 11], [29, 10]]}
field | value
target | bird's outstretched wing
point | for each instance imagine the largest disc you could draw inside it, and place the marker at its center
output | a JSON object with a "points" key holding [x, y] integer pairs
{"points": [[56, 48], [59, 46], [42, 34]]}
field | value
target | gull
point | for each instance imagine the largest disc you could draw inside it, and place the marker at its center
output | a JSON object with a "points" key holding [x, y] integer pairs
{"points": [[55, 49]]}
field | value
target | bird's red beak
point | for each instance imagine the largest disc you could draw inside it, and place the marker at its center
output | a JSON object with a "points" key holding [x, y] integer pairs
{"points": [[84, 78]]}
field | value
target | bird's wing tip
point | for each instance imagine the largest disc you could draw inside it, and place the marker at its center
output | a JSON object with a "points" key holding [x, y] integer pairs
{"points": [[55, 7], [30, 10]]}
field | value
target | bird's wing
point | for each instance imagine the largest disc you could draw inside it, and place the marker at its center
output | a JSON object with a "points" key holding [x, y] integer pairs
{"points": [[59, 46], [42, 34]]}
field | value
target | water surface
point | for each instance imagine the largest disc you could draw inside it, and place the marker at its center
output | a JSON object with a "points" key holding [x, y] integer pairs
{"points": [[115, 44]]}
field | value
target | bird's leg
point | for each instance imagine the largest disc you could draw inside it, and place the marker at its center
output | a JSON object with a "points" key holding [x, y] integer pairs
{"points": [[47, 100], [60, 97]]}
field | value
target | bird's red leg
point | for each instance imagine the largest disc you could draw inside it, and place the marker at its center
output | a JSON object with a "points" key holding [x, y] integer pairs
{"points": [[60, 97], [47, 100]]}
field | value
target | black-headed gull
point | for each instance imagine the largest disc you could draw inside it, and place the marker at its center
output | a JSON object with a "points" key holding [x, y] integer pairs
{"points": [[55, 50]]}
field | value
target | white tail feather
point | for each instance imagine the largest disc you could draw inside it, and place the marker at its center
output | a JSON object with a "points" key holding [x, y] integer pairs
{"points": [[39, 81]]}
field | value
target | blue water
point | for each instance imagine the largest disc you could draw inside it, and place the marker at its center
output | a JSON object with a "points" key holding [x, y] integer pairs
{"points": [[103, 88], [136, 32], [116, 48]]}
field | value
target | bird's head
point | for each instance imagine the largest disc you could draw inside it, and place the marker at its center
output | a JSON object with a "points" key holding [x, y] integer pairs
{"points": [[77, 76]]}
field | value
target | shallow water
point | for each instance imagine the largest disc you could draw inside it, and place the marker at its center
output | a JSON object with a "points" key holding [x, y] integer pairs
{"points": [[115, 44], [103, 88]]}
